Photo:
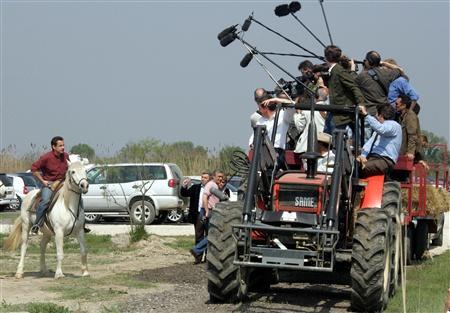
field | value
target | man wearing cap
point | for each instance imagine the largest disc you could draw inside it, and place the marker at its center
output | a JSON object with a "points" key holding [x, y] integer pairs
{"points": [[326, 162]]}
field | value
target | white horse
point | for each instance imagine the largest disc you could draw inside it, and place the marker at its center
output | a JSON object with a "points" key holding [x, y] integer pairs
{"points": [[2, 189], [65, 218]]}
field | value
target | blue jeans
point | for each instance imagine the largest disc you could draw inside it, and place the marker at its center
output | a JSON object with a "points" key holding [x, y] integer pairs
{"points": [[201, 246], [46, 194]]}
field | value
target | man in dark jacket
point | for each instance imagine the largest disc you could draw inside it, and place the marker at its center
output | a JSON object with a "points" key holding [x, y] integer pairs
{"points": [[342, 87], [194, 193], [374, 83], [411, 136]]}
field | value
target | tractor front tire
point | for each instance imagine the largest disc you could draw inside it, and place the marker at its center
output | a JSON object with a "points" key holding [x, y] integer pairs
{"points": [[223, 275], [371, 260]]}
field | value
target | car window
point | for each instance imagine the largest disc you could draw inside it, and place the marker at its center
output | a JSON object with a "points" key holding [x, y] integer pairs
{"points": [[176, 171], [97, 175], [29, 181], [7, 181], [154, 172]]}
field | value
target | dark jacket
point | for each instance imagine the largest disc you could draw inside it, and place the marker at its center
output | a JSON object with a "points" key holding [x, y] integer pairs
{"points": [[343, 91], [376, 92], [411, 141], [193, 193]]}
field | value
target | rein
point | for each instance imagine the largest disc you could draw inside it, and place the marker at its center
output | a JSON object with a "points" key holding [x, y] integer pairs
{"points": [[71, 179]]}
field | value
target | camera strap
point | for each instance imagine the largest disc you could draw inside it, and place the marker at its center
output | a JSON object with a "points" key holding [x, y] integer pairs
{"points": [[372, 73]]}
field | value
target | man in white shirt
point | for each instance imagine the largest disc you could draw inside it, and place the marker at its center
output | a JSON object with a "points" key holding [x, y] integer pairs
{"points": [[302, 120], [267, 109]]}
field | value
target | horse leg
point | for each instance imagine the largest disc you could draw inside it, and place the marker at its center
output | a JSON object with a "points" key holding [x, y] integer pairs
{"points": [[59, 240], [23, 248], [44, 241], [83, 252]]}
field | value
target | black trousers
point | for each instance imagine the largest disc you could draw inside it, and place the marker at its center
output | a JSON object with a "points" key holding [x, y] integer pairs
{"points": [[377, 165]]}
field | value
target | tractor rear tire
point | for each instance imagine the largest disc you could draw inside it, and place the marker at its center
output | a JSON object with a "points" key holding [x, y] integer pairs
{"points": [[392, 203], [371, 260], [223, 275]]}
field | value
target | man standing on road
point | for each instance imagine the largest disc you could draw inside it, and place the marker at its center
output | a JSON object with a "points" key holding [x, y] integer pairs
{"points": [[49, 169], [195, 193], [209, 201]]}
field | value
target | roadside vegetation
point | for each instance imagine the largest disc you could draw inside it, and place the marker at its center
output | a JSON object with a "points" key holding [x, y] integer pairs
{"points": [[426, 289], [191, 159]]}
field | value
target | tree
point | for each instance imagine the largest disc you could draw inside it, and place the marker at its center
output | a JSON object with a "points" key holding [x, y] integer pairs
{"points": [[84, 150]]}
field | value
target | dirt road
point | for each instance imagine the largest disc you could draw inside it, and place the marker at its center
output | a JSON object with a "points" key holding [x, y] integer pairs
{"points": [[152, 276]]}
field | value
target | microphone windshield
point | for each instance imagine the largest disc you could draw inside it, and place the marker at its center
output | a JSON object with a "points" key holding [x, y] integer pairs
{"points": [[282, 10], [246, 24], [246, 59], [225, 41], [226, 31], [294, 6]]}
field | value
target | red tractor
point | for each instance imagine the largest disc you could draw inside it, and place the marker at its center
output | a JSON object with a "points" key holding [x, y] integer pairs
{"points": [[298, 223]]}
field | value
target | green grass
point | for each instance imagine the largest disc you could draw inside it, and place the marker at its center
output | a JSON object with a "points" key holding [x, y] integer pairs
{"points": [[9, 216], [181, 243], [33, 308], [96, 244], [427, 285], [88, 288]]}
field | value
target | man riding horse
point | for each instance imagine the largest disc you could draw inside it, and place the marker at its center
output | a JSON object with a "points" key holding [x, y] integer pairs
{"points": [[50, 169]]}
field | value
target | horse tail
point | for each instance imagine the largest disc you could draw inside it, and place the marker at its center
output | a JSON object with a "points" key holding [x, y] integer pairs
{"points": [[15, 236]]}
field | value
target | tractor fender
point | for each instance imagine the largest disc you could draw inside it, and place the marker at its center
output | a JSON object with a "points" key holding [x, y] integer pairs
{"points": [[373, 193]]}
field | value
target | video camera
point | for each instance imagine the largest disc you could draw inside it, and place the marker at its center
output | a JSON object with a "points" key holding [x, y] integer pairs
{"points": [[292, 88]]}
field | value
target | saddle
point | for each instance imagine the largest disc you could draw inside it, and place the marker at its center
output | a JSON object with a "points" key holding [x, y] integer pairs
{"points": [[56, 188]]}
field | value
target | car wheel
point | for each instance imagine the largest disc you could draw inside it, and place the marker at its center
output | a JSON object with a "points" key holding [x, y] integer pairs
{"points": [[143, 207], [91, 218], [15, 205], [175, 215]]}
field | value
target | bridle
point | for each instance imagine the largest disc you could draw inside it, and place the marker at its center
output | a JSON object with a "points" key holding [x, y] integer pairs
{"points": [[78, 184]]}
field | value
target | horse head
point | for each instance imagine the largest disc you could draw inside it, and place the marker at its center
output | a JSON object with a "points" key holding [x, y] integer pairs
{"points": [[77, 176]]}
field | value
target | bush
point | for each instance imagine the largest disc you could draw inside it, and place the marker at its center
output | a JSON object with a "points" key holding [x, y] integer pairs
{"points": [[137, 233]]}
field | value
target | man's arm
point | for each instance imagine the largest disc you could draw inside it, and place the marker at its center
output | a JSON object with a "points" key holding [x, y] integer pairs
{"points": [[36, 170], [384, 129], [205, 204]]}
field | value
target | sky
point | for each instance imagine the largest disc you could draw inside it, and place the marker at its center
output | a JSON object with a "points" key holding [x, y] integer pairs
{"points": [[107, 73]]}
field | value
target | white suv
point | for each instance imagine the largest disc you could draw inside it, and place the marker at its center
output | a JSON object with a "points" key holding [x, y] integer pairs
{"points": [[9, 199], [115, 189]]}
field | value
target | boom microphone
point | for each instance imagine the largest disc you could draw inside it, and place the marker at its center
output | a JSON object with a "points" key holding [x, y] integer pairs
{"points": [[294, 6], [229, 38], [226, 31], [247, 24], [246, 59], [282, 10]]}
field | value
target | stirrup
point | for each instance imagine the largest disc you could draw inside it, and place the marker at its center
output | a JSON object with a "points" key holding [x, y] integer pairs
{"points": [[35, 229]]}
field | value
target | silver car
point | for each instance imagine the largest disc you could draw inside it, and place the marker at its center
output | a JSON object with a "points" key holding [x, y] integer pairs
{"points": [[9, 200], [133, 190]]}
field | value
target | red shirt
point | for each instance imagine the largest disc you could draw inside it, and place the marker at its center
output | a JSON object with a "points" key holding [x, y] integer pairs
{"points": [[51, 166]]}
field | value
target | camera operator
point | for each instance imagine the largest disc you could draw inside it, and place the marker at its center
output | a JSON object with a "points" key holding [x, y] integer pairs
{"points": [[342, 88], [260, 95], [267, 109]]}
